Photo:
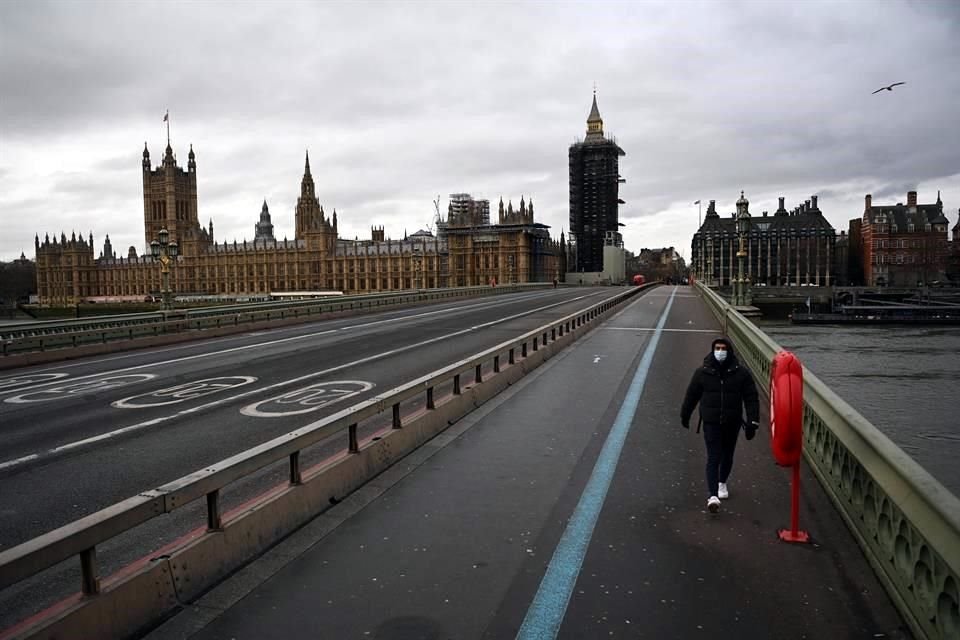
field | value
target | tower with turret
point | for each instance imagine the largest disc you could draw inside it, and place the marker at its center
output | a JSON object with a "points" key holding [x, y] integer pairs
{"points": [[170, 202], [312, 225], [594, 193]]}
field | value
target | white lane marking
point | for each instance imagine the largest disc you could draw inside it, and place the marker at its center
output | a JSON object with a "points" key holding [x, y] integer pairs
{"points": [[11, 463], [312, 335], [664, 330], [109, 434], [184, 392], [78, 387], [313, 397], [347, 365], [9, 384], [597, 358]]}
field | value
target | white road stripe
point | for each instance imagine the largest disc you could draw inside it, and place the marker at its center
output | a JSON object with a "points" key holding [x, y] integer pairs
{"points": [[300, 337], [664, 330], [11, 463], [155, 421]]}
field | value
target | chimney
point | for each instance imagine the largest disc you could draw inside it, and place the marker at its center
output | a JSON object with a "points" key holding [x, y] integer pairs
{"points": [[868, 201], [781, 208], [806, 206], [813, 202], [911, 198]]}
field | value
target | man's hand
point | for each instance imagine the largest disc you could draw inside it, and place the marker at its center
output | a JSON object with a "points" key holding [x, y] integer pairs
{"points": [[750, 430]]}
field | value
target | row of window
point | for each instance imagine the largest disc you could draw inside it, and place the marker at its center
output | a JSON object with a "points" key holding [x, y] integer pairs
{"points": [[904, 258], [900, 243], [911, 228], [773, 235]]}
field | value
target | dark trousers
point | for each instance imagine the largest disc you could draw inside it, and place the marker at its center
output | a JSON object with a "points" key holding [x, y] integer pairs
{"points": [[721, 442]]}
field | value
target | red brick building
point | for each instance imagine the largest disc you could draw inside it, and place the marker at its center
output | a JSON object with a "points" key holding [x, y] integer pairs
{"points": [[953, 261], [904, 245]]}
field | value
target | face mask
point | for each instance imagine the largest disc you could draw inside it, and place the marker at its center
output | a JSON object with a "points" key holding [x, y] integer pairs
{"points": [[720, 355]]}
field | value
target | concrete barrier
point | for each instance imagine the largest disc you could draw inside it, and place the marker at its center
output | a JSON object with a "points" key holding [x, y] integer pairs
{"points": [[143, 593], [68, 345]]}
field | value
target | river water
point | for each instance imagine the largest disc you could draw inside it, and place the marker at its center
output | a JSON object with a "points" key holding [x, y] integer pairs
{"points": [[904, 380]]}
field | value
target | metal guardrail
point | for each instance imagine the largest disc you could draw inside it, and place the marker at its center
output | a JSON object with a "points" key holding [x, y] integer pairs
{"points": [[57, 334], [82, 537], [906, 522]]}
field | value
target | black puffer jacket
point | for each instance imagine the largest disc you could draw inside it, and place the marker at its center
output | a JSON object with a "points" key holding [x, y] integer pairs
{"points": [[722, 390]]}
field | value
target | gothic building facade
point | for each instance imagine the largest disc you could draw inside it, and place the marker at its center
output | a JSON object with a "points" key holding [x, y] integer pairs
{"points": [[517, 249], [594, 194], [789, 248]]}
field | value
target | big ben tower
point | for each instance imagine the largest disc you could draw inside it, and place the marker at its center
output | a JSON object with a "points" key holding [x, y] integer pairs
{"points": [[594, 193]]}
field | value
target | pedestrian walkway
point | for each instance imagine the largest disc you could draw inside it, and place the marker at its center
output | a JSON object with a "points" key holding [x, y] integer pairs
{"points": [[572, 505]]}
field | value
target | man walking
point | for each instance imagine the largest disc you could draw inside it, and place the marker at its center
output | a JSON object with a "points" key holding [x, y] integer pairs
{"points": [[724, 388]]}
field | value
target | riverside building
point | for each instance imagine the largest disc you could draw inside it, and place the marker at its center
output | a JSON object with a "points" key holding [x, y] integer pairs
{"points": [[466, 251], [789, 248]]}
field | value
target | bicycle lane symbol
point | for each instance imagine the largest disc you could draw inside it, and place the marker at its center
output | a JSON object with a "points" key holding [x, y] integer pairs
{"points": [[81, 388], [183, 392], [307, 399], [11, 384]]}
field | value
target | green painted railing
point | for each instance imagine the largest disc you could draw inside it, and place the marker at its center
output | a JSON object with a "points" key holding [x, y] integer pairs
{"points": [[906, 522]]}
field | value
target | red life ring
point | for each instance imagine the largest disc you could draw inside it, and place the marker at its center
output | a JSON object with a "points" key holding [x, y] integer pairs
{"points": [[786, 408]]}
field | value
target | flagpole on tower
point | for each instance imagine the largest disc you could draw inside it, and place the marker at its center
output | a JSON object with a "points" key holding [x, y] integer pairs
{"points": [[166, 118]]}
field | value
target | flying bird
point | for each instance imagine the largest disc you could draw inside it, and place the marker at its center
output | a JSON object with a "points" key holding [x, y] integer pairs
{"points": [[889, 87]]}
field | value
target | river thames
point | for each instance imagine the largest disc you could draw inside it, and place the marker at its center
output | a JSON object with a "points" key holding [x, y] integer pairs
{"points": [[904, 380]]}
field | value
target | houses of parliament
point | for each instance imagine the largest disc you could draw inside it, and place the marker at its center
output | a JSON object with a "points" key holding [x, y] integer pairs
{"points": [[467, 250]]}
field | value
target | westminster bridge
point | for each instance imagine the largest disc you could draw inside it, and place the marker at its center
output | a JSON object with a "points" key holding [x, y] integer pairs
{"points": [[485, 468]]}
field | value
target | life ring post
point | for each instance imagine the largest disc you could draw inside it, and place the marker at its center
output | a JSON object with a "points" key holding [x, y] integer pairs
{"points": [[786, 431]]}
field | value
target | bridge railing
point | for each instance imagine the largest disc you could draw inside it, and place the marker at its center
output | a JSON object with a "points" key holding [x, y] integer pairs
{"points": [[907, 523], [148, 592], [59, 334]]}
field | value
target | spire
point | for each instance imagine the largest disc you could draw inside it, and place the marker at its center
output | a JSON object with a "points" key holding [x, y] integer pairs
{"points": [[594, 121], [146, 157], [263, 230], [306, 184]]}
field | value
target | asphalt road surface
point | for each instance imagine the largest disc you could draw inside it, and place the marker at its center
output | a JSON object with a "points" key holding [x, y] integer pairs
{"points": [[82, 435]]}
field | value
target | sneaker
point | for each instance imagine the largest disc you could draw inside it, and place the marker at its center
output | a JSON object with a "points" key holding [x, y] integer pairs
{"points": [[723, 494], [713, 504]]}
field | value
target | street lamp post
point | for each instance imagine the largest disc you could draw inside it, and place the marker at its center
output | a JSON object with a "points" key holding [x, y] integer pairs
{"points": [[417, 269], [165, 252], [741, 286], [698, 263]]}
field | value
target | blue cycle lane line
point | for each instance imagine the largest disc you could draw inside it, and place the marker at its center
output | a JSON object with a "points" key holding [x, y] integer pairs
{"points": [[547, 610], [570, 506]]}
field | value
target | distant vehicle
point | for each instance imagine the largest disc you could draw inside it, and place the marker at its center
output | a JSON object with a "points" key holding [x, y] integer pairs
{"points": [[638, 280]]}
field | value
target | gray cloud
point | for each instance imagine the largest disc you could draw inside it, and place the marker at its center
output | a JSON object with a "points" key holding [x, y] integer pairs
{"points": [[400, 102]]}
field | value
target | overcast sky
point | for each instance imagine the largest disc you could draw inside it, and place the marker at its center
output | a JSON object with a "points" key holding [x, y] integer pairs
{"points": [[398, 103]]}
